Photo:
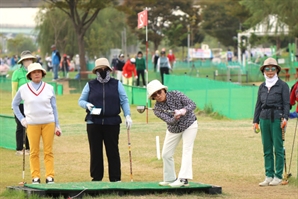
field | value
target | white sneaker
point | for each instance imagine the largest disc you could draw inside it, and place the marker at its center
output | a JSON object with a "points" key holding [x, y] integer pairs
{"points": [[179, 183], [50, 180], [266, 181], [19, 152], [27, 152], [276, 181], [165, 183], [35, 181]]}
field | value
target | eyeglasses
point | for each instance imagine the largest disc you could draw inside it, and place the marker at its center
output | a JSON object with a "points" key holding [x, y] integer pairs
{"points": [[156, 93], [273, 68]]}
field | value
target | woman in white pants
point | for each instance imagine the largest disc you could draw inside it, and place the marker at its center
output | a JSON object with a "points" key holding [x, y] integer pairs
{"points": [[176, 110]]}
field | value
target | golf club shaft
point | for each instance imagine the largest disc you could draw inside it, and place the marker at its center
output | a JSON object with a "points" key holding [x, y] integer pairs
{"points": [[162, 110], [285, 160], [129, 152], [24, 149], [293, 147]]}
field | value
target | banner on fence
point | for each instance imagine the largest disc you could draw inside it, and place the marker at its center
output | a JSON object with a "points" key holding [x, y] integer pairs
{"points": [[200, 53]]}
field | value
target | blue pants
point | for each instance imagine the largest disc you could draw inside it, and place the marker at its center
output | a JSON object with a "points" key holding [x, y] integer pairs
{"points": [[55, 70]]}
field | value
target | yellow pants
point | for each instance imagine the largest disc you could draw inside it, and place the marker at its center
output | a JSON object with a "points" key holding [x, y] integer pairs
{"points": [[127, 81], [46, 132]]}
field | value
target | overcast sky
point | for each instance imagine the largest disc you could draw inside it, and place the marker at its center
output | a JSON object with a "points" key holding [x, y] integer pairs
{"points": [[18, 16]]}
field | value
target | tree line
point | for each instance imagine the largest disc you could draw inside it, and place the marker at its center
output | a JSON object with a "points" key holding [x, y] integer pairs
{"points": [[94, 27]]}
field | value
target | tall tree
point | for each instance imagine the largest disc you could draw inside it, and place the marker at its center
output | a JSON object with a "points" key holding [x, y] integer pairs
{"points": [[286, 11], [54, 28], [222, 19], [20, 43], [82, 14], [162, 16]]}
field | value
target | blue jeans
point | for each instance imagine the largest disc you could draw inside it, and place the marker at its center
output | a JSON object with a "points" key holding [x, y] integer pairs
{"points": [[55, 70]]}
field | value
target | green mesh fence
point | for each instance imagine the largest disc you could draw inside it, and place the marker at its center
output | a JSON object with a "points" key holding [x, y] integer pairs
{"points": [[7, 129], [226, 98]]}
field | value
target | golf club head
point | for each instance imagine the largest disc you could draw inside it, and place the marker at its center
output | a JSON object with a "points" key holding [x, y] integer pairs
{"points": [[285, 182], [22, 183], [289, 175], [141, 109]]}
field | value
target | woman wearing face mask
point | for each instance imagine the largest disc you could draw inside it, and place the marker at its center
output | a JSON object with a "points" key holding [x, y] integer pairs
{"points": [[102, 98], [18, 79], [271, 112]]}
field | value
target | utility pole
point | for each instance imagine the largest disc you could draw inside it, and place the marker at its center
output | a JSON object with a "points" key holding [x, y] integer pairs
{"points": [[188, 44]]}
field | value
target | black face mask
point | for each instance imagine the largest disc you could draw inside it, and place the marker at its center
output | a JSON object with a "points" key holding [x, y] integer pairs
{"points": [[103, 74]]}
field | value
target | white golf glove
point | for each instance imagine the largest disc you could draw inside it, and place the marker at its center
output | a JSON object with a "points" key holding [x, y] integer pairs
{"points": [[89, 106], [128, 121], [58, 131], [180, 112], [24, 122]]}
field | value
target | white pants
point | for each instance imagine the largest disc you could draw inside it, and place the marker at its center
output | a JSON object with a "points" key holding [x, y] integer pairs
{"points": [[171, 141], [119, 75]]}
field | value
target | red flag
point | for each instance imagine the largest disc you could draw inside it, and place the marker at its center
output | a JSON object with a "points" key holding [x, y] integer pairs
{"points": [[142, 19]]}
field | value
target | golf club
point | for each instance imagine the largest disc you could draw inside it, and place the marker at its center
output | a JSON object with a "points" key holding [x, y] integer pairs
{"points": [[285, 178], [141, 109], [289, 174], [129, 151], [24, 149]]}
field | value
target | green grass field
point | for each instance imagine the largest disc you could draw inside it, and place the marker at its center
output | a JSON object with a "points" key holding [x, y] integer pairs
{"points": [[227, 153]]}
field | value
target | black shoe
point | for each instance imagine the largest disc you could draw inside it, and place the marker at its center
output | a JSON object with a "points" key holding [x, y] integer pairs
{"points": [[35, 181], [50, 180]]}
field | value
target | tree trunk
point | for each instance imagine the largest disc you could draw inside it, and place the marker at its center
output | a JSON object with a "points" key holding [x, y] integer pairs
{"points": [[296, 43], [83, 64], [278, 43]]}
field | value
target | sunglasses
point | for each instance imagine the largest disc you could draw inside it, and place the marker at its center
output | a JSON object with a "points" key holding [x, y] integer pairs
{"points": [[273, 68], [156, 93]]}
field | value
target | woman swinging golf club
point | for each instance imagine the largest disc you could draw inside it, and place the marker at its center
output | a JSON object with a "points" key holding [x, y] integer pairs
{"points": [[180, 125]]}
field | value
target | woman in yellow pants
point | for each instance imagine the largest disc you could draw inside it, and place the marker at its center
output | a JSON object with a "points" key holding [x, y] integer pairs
{"points": [[41, 120]]}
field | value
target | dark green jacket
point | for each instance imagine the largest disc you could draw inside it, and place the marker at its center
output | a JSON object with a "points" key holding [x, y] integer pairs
{"points": [[140, 64]]}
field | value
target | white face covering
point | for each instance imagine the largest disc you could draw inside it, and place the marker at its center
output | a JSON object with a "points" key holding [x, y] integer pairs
{"points": [[270, 81], [27, 62]]}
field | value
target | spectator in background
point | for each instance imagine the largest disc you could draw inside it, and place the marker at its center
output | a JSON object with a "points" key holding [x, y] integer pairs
{"points": [[48, 62], [119, 67], [129, 70], [64, 65], [154, 59], [163, 65], [113, 65], [17, 80], [141, 68], [4, 70], [12, 61], [229, 55], [55, 62], [172, 58], [39, 60], [77, 63]]}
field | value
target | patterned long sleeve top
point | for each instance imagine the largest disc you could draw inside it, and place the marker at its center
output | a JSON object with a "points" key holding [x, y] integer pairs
{"points": [[176, 100]]}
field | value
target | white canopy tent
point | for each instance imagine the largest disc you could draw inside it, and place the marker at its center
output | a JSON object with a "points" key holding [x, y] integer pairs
{"points": [[269, 26]]}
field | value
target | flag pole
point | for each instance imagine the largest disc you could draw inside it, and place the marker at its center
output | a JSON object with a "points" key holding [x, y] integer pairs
{"points": [[147, 64]]}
